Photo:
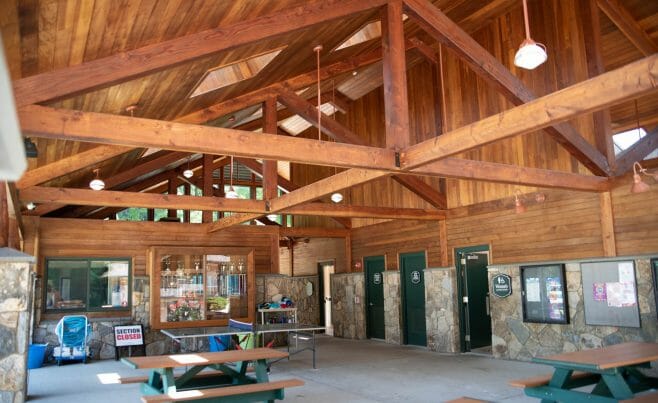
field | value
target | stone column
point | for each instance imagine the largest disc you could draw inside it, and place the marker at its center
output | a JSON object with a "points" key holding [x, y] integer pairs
{"points": [[442, 316], [392, 303], [15, 322]]}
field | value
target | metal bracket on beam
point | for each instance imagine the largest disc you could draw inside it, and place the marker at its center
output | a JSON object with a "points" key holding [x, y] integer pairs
{"points": [[397, 159], [267, 206]]}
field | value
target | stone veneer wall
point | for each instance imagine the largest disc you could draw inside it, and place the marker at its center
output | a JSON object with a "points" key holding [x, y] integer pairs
{"points": [[348, 299], [392, 303], [442, 316], [15, 321], [308, 307], [514, 339]]}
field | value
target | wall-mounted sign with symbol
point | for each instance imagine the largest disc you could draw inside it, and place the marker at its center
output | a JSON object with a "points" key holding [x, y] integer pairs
{"points": [[502, 285], [377, 278], [415, 277]]}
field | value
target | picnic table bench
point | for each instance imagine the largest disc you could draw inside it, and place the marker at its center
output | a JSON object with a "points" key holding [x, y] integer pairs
{"points": [[228, 381]]}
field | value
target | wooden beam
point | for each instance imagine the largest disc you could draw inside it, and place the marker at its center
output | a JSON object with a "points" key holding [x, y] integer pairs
{"points": [[620, 16], [425, 49], [70, 164], [591, 28], [270, 174], [311, 232], [340, 210], [111, 198], [459, 168], [12, 198], [433, 21], [396, 105], [631, 81], [637, 152], [607, 225], [41, 121], [131, 64], [339, 132], [323, 187]]}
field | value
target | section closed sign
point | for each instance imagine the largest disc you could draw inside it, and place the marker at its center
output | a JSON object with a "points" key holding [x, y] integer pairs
{"points": [[502, 285], [128, 335]]}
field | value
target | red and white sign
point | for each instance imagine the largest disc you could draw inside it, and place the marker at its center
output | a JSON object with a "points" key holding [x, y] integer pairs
{"points": [[129, 335]]}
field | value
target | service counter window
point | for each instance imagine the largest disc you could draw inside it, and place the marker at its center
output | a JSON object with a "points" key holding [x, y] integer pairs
{"points": [[93, 284]]}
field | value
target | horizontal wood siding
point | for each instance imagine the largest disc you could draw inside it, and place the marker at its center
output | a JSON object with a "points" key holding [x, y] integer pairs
{"points": [[395, 237], [68, 237], [636, 219], [306, 256]]}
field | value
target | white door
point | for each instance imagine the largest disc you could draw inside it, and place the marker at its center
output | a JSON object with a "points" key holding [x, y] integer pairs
{"points": [[327, 271]]}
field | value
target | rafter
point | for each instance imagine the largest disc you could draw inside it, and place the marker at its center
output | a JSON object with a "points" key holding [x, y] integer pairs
{"points": [[620, 16], [152, 58], [433, 21], [630, 81], [41, 121], [70, 164]]}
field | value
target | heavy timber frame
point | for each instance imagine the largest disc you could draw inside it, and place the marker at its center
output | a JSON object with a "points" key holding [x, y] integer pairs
{"points": [[364, 163]]}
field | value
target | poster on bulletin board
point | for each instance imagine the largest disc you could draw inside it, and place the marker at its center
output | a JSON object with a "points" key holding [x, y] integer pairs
{"points": [[610, 293]]}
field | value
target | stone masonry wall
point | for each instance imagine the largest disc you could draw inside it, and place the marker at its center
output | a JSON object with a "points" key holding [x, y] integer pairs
{"points": [[392, 303], [348, 298], [308, 309], [15, 321], [514, 339], [442, 320]]}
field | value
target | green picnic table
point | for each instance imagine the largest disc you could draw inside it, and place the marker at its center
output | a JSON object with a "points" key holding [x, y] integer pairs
{"points": [[613, 370]]}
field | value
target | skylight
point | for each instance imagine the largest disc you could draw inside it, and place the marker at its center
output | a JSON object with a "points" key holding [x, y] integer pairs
{"points": [[295, 124], [626, 139], [233, 73], [368, 32]]}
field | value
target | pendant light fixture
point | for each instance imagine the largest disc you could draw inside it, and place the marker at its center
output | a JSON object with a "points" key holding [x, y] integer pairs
{"points": [[188, 173], [530, 54], [232, 194], [97, 183]]}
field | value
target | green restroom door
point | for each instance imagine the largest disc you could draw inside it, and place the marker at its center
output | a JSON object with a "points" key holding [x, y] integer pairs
{"points": [[477, 291], [412, 266], [374, 267]]}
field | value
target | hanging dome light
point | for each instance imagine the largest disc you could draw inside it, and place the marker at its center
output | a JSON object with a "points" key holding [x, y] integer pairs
{"points": [[530, 54], [97, 183], [336, 197], [188, 173], [31, 206]]}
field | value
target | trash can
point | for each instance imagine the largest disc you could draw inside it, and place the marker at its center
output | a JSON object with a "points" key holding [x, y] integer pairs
{"points": [[35, 355]]}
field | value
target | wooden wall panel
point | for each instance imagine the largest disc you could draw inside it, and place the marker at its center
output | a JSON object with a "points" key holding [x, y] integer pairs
{"points": [[306, 256], [635, 218], [395, 237], [68, 237]]}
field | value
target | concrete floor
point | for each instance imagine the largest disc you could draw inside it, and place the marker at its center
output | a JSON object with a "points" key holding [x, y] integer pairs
{"points": [[348, 371]]}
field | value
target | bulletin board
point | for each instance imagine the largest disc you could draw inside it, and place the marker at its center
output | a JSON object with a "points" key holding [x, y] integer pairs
{"points": [[544, 294], [610, 293], [654, 271]]}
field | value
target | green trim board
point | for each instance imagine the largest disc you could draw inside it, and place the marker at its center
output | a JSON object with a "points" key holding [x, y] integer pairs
{"points": [[610, 293], [654, 272]]}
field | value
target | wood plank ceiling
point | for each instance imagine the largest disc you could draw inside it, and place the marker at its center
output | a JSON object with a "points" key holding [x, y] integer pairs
{"points": [[48, 37]]}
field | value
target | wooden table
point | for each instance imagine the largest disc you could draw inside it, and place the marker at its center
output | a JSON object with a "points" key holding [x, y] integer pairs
{"points": [[614, 368], [232, 364]]}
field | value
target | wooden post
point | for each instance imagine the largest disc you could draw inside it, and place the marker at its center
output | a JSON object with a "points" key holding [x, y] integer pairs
{"points": [[207, 184], [172, 190], [443, 242], [187, 190], [395, 77], [270, 175], [4, 215], [607, 225]]}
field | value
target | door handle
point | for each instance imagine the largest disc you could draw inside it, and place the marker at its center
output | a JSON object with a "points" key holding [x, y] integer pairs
{"points": [[486, 300]]}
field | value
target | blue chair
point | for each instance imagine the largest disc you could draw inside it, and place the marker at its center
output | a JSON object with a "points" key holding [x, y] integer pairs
{"points": [[73, 332]]}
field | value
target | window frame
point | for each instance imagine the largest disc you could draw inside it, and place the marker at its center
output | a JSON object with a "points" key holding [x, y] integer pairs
{"points": [[88, 260]]}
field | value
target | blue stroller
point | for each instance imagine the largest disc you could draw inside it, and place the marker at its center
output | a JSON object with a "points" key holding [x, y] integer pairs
{"points": [[73, 332]]}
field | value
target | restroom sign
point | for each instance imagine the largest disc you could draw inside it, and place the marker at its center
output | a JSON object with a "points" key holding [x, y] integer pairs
{"points": [[502, 285], [415, 277], [377, 278]]}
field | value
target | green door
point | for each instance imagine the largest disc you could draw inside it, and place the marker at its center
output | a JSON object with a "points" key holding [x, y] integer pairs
{"points": [[476, 293], [374, 267], [412, 266]]}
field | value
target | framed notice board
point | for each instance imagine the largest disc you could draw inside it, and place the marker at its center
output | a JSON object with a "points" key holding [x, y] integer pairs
{"points": [[544, 294], [610, 293], [654, 271]]}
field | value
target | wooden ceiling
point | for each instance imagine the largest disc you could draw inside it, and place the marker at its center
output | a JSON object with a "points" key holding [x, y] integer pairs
{"points": [[52, 37]]}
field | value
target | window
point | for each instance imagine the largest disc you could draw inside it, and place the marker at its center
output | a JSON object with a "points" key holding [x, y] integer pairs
{"points": [[625, 140], [133, 214], [87, 284]]}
